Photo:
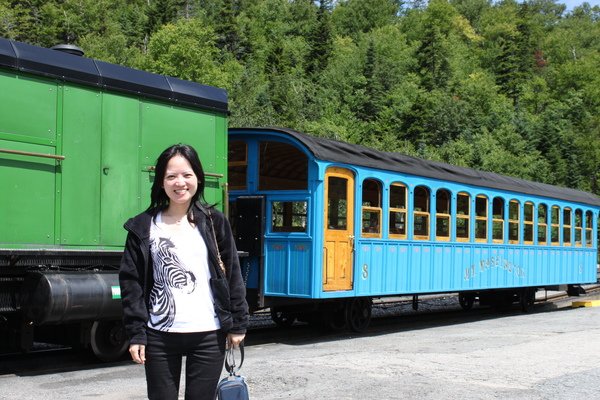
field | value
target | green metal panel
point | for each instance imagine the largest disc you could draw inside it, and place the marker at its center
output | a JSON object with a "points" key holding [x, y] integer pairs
{"points": [[163, 125], [28, 108], [81, 170], [27, 196], [120, 167]]}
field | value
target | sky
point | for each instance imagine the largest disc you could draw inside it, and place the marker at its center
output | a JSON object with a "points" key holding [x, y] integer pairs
{"points": [[574, 3]]}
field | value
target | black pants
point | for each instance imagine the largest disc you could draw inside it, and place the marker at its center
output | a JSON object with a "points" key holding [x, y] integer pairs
{"points": [[204, 351]]}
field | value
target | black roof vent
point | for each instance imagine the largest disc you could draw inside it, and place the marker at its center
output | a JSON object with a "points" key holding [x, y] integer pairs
{"points": [[69, 48]]}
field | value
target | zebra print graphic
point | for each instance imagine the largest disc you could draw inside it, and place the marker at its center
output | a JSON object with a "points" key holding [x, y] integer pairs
{"points": [[169, 275]]}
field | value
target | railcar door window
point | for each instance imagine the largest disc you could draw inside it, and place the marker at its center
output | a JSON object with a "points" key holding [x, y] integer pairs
{"points": [[421, 213], [289, 216], [567, 226], [397, 211], [481, 216], [542, 224], [442, 215], [578, 228], [554, 226], [513, 221], [498, 220], [528, 223], [371, 208], [463, 203], [337, 203]]}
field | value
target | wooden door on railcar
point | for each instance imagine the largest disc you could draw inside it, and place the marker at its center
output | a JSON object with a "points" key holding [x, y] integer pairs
{"points": [[338, 240]]}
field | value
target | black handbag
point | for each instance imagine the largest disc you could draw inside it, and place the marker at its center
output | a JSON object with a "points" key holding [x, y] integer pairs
{"points": [[233, 387]]}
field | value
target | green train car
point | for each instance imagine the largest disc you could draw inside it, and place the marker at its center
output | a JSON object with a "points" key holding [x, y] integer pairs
{"points": [[78, 140]]}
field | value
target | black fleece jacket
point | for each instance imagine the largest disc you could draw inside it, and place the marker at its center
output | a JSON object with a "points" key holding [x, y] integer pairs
{"points": [[136, 273]]}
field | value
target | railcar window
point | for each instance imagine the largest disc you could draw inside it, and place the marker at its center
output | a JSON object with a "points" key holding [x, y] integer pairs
{"points": [[567, 226], [528, 223], [442, 215], [371, 208], [337, 200], [481, 218], [542, 224], [554, 226], [498, 220], [514, 218], [578, 227], [397, 211], [289, 216], [588, 228], [421, 213], [463, 206], [282, 167], [237, 166]]}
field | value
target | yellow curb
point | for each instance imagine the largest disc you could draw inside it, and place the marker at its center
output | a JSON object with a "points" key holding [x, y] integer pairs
{"points": [[588, 303]]}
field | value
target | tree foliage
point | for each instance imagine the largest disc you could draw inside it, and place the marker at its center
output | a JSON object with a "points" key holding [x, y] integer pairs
{"points": [[509, 86]]}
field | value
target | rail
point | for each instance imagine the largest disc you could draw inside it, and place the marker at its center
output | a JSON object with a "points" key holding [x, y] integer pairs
{"points": [[31, 154]]}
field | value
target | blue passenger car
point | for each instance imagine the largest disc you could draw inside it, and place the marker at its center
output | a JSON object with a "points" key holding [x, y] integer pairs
{"points": [[329, 225]]}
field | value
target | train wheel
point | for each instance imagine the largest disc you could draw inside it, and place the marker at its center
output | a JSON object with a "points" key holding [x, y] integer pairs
{"points": [[282, 318], [108, 340], [358, 313], [466, 300], [527, 299]]}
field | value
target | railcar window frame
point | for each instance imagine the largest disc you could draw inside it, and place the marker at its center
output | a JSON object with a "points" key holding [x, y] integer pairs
{"points": [[463, 217], [398, 211], [514, 221], [371, 190], [542, 224], [481, 218], [528, 211], [589, 228], [443, 217], [567, 226], [419, 213], [555, 226], [289, 216], [498, 219], [578, 239]]}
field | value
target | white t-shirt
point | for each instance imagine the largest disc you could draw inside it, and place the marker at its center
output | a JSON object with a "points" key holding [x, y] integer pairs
{"points": [[181, 299]]}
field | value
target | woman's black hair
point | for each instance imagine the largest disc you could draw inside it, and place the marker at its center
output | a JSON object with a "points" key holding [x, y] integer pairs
{"points": [[158, 197]]}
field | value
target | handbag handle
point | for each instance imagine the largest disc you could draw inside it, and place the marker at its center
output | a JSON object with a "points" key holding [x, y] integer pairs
{"points": [[230, 365]]}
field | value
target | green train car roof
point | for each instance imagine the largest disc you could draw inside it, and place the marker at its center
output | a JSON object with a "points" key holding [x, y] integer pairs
{"points": [[342, 152], [86, 71]]}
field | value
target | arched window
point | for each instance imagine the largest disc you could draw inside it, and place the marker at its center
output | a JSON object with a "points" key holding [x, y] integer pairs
{"points": [[555, 226], [528, 223], [421, 213], [463, 207], [397, 211], [442, 215], [282, 167], [542, 224], [481, 218], [371, 208], [498, 220], [567, 223], [514, 218], [578, 227], [588, 228]]}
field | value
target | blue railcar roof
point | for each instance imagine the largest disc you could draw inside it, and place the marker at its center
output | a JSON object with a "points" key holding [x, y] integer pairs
{"points": [[86, 71], [337, 151]]}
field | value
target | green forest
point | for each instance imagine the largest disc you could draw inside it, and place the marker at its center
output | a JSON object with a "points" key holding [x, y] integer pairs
{"points": [[509, 87]]}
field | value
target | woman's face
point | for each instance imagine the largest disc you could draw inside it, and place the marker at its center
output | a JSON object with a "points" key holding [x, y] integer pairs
{"points": [[180, 182]]}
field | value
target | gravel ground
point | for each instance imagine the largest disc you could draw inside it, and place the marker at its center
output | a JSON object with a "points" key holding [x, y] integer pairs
{"points": [[550, 353]]}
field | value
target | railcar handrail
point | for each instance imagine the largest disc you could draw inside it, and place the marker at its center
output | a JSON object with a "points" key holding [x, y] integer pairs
{"points": [[28, 153]]}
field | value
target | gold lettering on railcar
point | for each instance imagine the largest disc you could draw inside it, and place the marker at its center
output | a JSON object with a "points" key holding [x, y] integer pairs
{"points": [[493, 262]]}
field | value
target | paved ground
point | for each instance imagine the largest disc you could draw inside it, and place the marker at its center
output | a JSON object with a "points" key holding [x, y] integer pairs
{"points": [[551, 353]]}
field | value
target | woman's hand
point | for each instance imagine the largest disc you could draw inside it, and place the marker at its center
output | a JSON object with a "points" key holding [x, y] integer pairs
{"points": [[234, 339], [138, 353]]}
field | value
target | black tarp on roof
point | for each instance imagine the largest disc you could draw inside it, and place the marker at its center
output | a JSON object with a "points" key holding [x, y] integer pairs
{"points": [[86, 71], [342, 152]]}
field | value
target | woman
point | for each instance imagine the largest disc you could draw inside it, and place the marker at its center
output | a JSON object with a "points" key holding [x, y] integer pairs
{"points": [[178, 299]]}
